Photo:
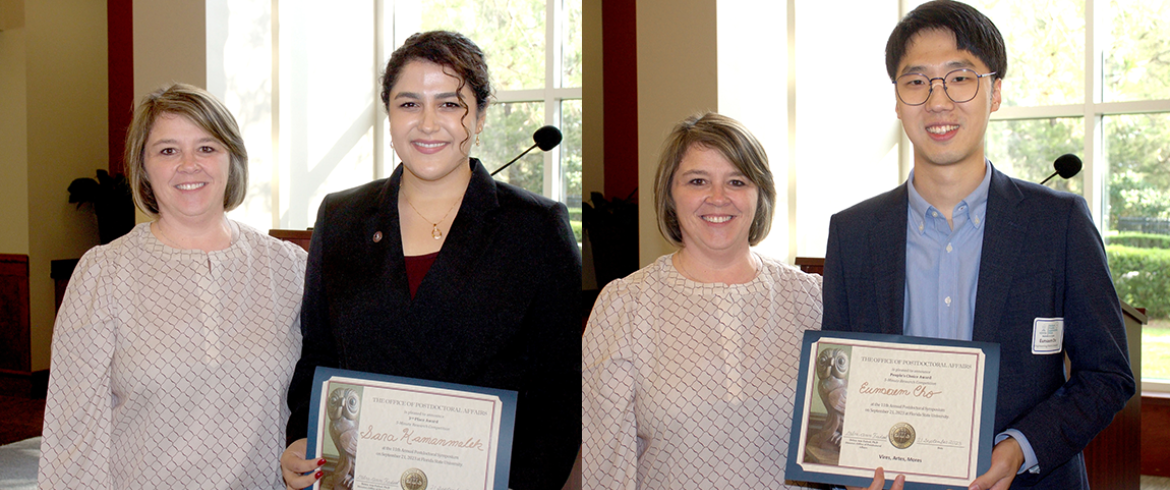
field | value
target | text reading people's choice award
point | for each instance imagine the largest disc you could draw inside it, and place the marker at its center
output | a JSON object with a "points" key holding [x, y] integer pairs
{"points": [[914, 406]]}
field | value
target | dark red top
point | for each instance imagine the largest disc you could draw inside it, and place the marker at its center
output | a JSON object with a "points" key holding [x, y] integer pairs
{"points": [[416, 269]]}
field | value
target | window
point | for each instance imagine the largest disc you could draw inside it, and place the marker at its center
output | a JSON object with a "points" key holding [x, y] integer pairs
{"points": [[533, 50], [846, 139], [307, 79], [1092, 78]]}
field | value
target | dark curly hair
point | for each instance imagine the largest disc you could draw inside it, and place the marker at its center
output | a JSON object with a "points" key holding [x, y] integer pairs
{"points": [[453, 51]]}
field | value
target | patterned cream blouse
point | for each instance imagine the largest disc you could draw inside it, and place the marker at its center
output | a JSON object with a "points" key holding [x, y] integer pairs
{"points": [[689, 385], [169, 367]]}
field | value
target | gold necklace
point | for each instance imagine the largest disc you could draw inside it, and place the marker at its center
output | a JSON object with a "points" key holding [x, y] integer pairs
{"points": [[436, 233]]}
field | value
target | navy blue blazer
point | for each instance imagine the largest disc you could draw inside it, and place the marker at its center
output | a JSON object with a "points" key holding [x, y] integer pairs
{"points": [[1042, 258], [500, 307]]}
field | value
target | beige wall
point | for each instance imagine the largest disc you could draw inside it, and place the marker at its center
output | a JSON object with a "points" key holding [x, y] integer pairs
{"points": [[13, 143], [677, 76], [167, 51], [592, 123], [67, 135], [592, 94]]}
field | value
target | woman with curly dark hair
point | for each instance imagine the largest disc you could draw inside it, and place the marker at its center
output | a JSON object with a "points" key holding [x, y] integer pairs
{"points": [[441, 273]]}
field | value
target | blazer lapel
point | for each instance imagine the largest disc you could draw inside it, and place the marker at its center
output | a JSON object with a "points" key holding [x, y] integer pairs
{"points": [[468, 239], [383, 222], [1002, 240], [887, 246]]}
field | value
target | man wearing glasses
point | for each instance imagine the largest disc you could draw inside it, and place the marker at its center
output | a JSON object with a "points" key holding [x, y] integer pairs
{"points": [[963, 251]]}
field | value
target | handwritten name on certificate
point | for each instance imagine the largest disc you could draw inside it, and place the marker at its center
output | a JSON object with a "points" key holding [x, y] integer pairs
{"points": [[378, 435], [912, 408]]}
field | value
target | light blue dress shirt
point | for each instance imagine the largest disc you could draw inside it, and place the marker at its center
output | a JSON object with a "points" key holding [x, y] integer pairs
{"points": [[942, 274], [942, 264]]}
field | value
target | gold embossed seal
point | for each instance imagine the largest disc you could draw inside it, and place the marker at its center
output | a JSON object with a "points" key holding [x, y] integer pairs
{"points": [[413, 479], [902, 435]]}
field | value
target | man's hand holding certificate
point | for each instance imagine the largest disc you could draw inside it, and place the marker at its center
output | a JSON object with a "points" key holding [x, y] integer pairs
{"points": [[381, 432], [914, 406]]}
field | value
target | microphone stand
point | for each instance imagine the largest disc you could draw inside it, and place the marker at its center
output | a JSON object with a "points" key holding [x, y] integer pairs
{"points": [[496, 171]]}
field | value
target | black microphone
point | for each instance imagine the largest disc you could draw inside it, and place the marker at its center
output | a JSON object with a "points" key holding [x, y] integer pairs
{"points": [[1066, 166], [546, 138]]}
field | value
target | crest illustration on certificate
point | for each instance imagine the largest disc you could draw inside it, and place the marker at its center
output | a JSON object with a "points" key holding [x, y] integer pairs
{"points": [[382, 432], [916, 406]]}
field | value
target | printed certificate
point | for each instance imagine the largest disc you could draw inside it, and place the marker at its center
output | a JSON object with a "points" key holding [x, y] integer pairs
{"points": [[380, 432], [915, 406]]}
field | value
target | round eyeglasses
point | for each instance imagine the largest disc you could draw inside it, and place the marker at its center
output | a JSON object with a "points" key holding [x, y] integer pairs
{"points": [[960, 85]]}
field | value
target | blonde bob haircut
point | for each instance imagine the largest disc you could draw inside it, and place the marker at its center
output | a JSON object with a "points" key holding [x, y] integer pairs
{"points": [[732, 139], [205, 111]]}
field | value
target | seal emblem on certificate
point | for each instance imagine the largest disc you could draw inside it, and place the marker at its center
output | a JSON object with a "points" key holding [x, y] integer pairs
{"points": [[410, 433], [902, 435], [413, 479], [916, 406]]}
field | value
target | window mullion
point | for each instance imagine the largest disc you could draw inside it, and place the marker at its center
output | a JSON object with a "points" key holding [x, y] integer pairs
{"points": [[552, 79], [384, 45], [1038, 112], [1095, 164]]}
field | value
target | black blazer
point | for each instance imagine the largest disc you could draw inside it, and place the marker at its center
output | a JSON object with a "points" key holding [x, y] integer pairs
{"points": [[499, 308], [1042, 258]]}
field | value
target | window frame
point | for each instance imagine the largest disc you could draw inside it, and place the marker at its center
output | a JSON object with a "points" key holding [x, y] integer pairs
{"points": [[1092, 113], [390, 34]]}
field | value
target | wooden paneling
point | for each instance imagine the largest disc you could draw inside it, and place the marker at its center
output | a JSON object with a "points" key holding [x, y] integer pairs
{"points": [[299, 237], [14, 313], [1156, 434], [811, 265]]}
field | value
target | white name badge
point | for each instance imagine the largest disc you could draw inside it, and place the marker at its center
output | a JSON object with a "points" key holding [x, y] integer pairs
{"points": [[1047, 336]]}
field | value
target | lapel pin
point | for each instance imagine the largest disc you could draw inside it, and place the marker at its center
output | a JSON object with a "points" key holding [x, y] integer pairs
{"points": [[377, 236]]}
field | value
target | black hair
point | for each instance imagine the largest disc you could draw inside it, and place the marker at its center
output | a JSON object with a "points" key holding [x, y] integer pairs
{"points": [[973, 31]]}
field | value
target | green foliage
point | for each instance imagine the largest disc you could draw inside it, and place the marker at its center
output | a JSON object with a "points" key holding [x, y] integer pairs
{"points": [[1142, 277], [1045, 41], [1045, 45], [1046, 66], [511, 33], [1026, 148], [1156, 349], [571, 150], [1139, 240], [1137, 62], [512, 36], [571, 56], [1138, 146], [507, 132], [575, 221]]}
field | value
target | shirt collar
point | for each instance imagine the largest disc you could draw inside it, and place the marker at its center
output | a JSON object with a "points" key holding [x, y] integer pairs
{"points": [[976, 201]]}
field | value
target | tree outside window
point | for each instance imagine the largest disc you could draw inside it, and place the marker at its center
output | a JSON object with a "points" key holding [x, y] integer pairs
{"points": [[533, 50], [1111, 107]]}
